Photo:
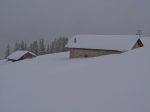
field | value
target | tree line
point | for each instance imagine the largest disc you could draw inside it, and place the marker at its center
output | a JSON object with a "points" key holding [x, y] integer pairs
{"points": [[39, 47]]}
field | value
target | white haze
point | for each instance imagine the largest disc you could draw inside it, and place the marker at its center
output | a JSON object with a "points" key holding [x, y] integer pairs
{"points": [[33, 19]]}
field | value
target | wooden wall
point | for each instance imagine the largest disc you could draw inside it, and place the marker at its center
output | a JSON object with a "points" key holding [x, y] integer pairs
{"points": [[76, 52]]}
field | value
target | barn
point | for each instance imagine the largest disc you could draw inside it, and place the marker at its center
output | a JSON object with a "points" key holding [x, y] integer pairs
{"points": [[97, 45], [20, 55]]}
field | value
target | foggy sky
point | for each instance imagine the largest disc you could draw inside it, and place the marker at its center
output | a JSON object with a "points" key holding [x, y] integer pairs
{"points": [[32, 19]]}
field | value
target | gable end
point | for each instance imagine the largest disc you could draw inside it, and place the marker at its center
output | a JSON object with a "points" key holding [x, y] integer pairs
{"points": [[138, 44]]}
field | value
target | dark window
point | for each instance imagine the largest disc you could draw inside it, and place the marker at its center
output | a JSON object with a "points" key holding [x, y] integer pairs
{"points": [[86, 56], [140, 43], [75, 40]]}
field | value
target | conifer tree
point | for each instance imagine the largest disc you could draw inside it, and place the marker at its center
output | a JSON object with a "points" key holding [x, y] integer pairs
{"points": [[41, 47], [35, 48], [48, 51], [7, 52], [17, 46]]}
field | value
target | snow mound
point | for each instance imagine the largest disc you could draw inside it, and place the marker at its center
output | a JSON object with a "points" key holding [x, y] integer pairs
{"points": [[55, 83]]}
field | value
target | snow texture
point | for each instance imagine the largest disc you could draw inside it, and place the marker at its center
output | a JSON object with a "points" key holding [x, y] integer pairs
{"points": [[145, 40], [18, 54], [108, 42], [55, 83]]}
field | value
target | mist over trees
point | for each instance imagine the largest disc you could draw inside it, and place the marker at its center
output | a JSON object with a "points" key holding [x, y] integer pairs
{"points": [[39, 47], [58, 45], [7, 52]]}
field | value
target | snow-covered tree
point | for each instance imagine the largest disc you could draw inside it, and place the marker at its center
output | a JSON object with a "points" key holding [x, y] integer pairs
{"points": [[35, 48], [23, 45], [48, 50], [17, 46], [41, 47], [7, 52], [58, 45]]}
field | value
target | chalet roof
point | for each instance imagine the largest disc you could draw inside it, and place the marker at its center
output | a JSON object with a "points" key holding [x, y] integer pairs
{"points": [[109, 42], [18, 54]]}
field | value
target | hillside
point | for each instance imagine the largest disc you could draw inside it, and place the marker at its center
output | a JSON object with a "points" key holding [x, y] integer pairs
{"points": [[55, 83]]}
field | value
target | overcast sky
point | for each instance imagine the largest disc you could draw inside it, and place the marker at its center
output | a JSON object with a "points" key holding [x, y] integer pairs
{"points": [[32, 19]]}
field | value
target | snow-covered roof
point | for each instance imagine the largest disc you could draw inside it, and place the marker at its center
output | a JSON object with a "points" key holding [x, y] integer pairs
{"points": [[109, 42], [18, 54]]}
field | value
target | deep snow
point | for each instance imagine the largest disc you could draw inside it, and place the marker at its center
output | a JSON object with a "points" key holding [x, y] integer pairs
{"points": [[55, 83]]}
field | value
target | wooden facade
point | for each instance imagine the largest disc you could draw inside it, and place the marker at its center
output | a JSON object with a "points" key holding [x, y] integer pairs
{"points": [[78, 52], [138, 44]]}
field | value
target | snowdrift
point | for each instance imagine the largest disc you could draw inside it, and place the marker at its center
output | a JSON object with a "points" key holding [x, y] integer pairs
{"points": [[54, 83]]}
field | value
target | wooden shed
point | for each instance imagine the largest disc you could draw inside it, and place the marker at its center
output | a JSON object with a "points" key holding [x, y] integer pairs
{"points": [[97, 45], [20, 55]]}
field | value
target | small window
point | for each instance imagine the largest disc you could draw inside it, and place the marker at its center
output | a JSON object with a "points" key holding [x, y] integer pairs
{"points": [[75, 40], [86, 56], [140, 43]]}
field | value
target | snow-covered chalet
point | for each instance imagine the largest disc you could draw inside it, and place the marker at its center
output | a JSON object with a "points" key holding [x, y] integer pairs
{"points": [[20, 55], [97, 45]]}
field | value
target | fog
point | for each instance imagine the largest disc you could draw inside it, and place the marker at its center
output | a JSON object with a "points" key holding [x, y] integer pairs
{"points": [[33, 19]]}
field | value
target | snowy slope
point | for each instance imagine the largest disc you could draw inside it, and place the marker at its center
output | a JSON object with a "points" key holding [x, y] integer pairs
{"points": [[54, 83], [3, 62]]}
